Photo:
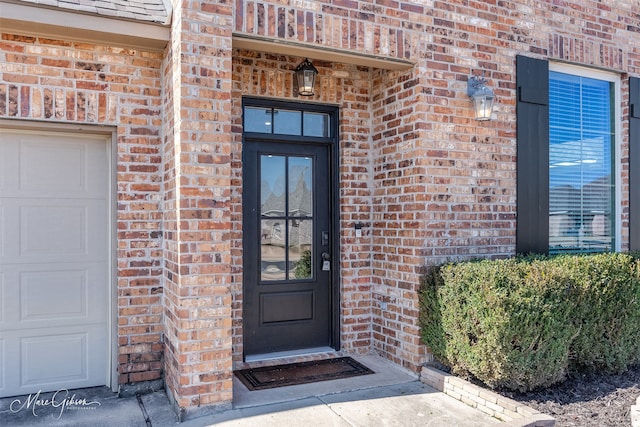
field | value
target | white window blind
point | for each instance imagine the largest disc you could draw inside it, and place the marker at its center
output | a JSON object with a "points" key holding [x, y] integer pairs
{"points": [[581, 180]]}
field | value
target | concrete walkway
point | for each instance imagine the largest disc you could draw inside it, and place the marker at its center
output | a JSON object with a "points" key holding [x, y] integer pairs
{"points": [[390, 397]]}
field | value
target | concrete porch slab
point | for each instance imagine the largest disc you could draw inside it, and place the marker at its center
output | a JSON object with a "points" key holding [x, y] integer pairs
{"points": [[391, 396], [386, 373]]}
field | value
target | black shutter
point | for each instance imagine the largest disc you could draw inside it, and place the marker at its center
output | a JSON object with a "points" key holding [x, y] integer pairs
{"points": [[532, 110], [634, 163]]}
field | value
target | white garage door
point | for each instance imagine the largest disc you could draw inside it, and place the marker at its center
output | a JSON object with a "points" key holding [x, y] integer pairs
{"points": [[54, 225]]}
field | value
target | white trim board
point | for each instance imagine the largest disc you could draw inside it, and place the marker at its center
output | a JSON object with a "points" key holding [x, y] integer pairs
{"points": [[38, 21]]}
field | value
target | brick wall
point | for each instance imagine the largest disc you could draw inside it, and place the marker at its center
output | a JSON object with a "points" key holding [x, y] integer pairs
{"points": [[56, 81], [383, 28], [197, 168], [399, 205]]}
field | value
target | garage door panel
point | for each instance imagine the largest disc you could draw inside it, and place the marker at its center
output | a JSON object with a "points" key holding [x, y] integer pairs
{"points": [[54, 230], [3, 297], [5, 159], [50, 230], [54, 295], [41, 159], [3, 361], [3, 232], [45, 359], [76, 162], [63, 297], [68, 353], [10, 365]]}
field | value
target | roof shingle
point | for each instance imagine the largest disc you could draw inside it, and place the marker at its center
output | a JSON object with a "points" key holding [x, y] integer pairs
{"points": [[156, 11]]}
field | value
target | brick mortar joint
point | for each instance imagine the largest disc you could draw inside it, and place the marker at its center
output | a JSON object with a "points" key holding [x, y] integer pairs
{"points": [[527, 417]]}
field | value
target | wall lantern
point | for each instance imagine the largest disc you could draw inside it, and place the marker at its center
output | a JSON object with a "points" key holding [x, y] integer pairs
{"points": [[481, 96], [306, 75]]}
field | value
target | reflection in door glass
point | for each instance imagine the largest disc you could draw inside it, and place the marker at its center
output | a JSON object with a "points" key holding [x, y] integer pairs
{"points": [[257, 119], [300, 249], [316, 124], [286, 211], [300, 186], [287, 122], [272, 185], [272, 249]]}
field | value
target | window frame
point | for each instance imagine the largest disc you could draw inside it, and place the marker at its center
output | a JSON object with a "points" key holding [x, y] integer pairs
{"points": [[614, 78], [277, 104]]}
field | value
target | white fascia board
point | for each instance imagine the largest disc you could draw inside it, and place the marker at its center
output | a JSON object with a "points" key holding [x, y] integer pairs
{"points": [[60, 24], [313, 51]]}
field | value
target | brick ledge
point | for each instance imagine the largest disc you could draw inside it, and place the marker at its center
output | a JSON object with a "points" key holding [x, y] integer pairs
{"points": [[635, 414], [513, 413]]}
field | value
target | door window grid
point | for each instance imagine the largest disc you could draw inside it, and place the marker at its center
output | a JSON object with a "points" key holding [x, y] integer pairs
{"points": [[286, 226], [287, 122]]}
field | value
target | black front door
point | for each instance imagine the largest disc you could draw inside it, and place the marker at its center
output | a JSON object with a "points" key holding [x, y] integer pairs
{"points": [[287, 248]]}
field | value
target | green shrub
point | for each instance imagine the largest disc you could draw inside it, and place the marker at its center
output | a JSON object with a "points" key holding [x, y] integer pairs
{"points": [[607, 311], [303, 266], [523, 323], [431, 313]]}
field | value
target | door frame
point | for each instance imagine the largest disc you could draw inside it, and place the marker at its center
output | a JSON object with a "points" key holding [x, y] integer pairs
{"points": [[109, 133], [332, 143]]}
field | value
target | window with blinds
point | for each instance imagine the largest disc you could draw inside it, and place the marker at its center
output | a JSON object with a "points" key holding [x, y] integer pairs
{"points": [[581, 178]]}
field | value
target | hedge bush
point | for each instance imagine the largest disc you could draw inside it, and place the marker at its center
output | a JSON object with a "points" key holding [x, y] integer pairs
{"points": [[524, 323]]}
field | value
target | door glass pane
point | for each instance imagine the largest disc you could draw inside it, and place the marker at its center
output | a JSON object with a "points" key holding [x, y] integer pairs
{"points": [[257, 119], [316, 124], [287, 122], [300, 250], [272, 185], [272, 249], [300, 186]]}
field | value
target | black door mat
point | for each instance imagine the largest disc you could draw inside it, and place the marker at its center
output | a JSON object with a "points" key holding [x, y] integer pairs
{"points": [[301, 373]]}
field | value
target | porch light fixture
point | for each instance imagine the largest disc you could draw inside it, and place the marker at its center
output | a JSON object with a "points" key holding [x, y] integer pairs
{"points": [[481, 96], [306, 76]]}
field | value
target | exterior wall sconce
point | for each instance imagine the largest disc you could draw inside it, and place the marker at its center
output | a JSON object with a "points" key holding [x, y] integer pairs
{"points": [[306, 76], [481, 96]]}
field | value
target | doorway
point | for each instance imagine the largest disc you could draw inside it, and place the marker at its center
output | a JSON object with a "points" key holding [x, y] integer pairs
{"points": [[290, 296]]}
